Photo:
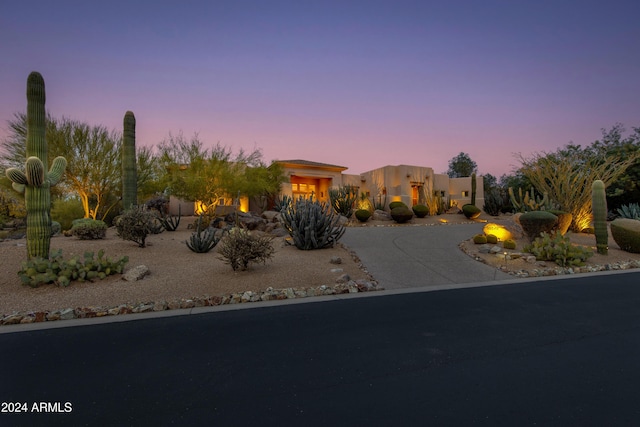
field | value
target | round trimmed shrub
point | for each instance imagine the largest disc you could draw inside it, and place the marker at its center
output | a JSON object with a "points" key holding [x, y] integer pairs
{"points": [[394, 205], [535, 222], [479, 239], [471, 211], [401, 214], [88, 229], [509, 244], [626, 233], [420, 211], [564, 221], [492, 238], [363, 215]]}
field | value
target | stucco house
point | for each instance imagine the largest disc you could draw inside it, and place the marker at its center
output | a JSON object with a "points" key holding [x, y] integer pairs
{"points": [[403, 183], [398, 183]]}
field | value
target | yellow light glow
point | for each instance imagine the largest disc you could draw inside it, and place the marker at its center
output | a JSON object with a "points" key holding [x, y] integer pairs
{"points": [[497, 230], [199, 207], [444, 221]]}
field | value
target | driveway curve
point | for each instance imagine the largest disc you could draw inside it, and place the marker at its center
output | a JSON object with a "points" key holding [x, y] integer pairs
{"points": [[419, 256]]}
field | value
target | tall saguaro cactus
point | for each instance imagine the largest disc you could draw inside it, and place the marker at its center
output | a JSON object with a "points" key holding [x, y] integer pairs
{"points": [[599, 207], [36, 182], [473, 189], [129, 176]]}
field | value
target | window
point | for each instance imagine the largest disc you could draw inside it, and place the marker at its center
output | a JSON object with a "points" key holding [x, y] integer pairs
{"points": [[465, 194]]}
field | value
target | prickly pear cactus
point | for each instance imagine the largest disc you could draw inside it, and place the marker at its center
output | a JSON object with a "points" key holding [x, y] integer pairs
{"points": [[129, 178], [35, 181], [599, 207]]}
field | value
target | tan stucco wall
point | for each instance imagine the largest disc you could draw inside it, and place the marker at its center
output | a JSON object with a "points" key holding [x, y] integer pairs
{"points": [[458, 185]]}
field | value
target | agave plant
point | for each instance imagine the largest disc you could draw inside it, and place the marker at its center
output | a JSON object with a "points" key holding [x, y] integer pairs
{"points": [[631, 211], [202, 241]]}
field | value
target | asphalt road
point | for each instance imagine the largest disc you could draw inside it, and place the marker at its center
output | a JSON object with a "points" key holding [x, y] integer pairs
{"points": [[561, 353]]}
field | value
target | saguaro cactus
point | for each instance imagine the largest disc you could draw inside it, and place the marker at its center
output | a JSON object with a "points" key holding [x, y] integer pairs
{"points": [[599, 207], [473, 189], [35, 182], [129, 176]]}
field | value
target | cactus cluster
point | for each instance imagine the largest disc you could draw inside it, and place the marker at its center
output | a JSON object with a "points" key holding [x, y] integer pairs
{"points": [[599, 208], [202, 241], [39, 271], [343, 199], [528, 202], [35, 181], [558, 248], [311, 224]]}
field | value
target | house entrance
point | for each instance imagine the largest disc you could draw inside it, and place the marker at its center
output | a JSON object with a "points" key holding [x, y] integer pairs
{"points": [[306, 187]]}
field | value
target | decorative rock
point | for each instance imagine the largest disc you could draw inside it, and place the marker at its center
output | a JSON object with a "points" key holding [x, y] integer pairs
{"points": [[495, 250], [67, 313], [531, 259], [136, 273], [344, 278], [379, 215], [272, 216], [484, 249], [337, 270], [335, 260]]}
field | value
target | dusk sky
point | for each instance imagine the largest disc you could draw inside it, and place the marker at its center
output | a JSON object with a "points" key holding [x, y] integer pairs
{"points": [[362, 84]]}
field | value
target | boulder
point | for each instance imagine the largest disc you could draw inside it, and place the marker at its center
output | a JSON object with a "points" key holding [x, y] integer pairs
{"points": [[136, 273], [379, 215]]}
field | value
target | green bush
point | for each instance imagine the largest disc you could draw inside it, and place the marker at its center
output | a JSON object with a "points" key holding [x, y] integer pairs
{"points": [[136, 224], [492, 238], [626, 233], [558, 248], [564, 221], [479, 239], [240, 247], [420, 211], [88, 229], [398, 204], [471, 211], [65, 211], [535, 222], [509, 244], [401, 214], [39, 271], [363, 215], [493, 202]]}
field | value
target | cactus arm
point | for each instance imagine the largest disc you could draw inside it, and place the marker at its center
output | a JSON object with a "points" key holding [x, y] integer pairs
{"points": [[34, 169], [16, 176], [57, 170]]}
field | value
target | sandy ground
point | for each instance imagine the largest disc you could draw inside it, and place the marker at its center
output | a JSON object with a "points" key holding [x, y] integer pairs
{"points": [[178, 273], [175, 272]]}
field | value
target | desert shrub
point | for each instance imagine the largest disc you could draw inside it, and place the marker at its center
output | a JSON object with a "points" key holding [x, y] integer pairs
{"points": [[509, 244], [626, 233], [397, 204], [342, 199], [202, 241], [492, 238], [630, 211], [401, 214], [136, 224], [471, 211], [420, 211], [363, 215], [564, 221], [158, 203], [240, 247], [479, 239], [535, 222], [311, 224], [55, 228], [65, 211], [493, 202], [39, 271], [558, 248], [88, 229]]}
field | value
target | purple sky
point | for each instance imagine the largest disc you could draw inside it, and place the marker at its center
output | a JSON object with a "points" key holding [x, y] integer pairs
{"points": [[360, 84]]}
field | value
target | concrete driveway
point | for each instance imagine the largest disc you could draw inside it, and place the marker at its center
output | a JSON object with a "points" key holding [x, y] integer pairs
{"points": [[419, 256]]}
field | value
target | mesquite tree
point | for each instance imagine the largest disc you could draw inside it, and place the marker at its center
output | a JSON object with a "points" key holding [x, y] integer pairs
{"points": [[35, 181]]}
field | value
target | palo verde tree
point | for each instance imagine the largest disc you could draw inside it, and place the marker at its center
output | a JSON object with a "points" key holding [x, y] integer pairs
{"points": [[35, 181]]}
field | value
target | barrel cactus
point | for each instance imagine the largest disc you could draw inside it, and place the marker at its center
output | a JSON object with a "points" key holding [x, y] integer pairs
{"points": [[129, 176], [35, 181], [536, 222], [599, 207]]}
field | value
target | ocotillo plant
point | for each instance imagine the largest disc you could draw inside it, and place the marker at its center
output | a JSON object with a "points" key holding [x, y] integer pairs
{"points": [[129, 178], [36, 182], [599, 207], [473, 189]]}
